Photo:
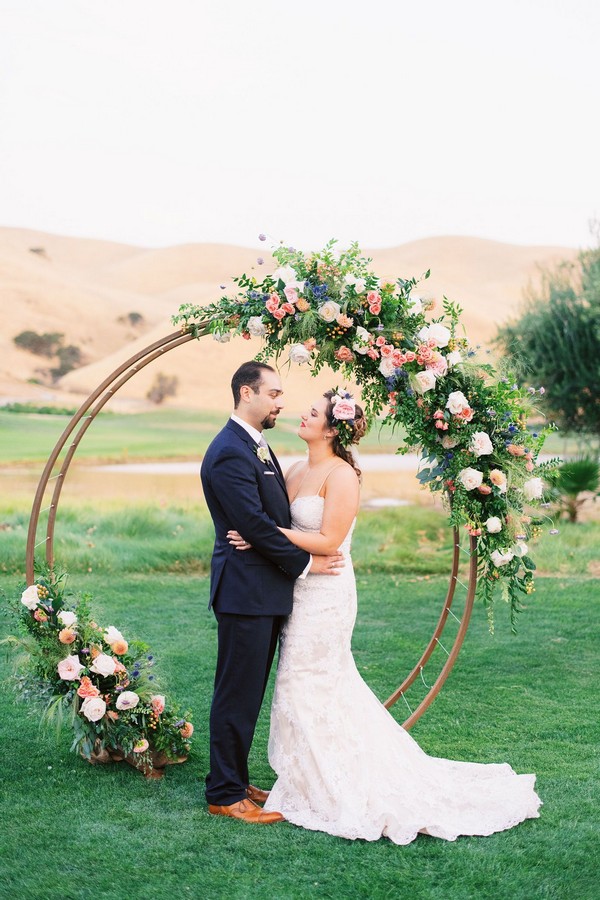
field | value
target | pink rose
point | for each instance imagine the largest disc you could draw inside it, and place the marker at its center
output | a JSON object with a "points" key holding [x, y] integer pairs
{"points": [[398, 358], [93, 708], [344, 354], [438, 364], [187, 730], [291, 294], [410, 356], [375, 308], [310, 344], [373, 353], [279, 313], [344, 409], [158, 703], [272, 303], [288, 308], [141, 746], [386, 350], [373, 297], [380, 341]]}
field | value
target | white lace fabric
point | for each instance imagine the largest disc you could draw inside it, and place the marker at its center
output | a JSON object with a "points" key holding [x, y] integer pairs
{"points": [[344, 765]]}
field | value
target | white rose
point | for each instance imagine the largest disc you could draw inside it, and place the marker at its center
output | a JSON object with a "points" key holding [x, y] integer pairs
{"points": [[440, 334], [223, 338], [534, 489], [520, 548], [299, 354], [363, 340], [457, 402], [69, 668], [329, 311], [30, 597], [494, 525], [256, 326], [481, 444], [449, 442], [358, 284], [415, 304], [387, 367], [470, 478], [454, 358], [66, 617], [501, 557], [112, 634], [103, 665], [93, 708], [127, 700], [285, 274], [424, 381]]}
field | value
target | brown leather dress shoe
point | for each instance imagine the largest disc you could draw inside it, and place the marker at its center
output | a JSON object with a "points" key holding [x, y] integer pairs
{"points": [[256, 795], [247, 811]]}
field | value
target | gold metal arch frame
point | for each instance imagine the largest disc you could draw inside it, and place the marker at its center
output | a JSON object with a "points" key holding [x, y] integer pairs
{"points": [[77, 427]]}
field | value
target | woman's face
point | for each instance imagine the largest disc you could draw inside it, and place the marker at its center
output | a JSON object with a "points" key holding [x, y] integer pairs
{"points": [[313, 422]]}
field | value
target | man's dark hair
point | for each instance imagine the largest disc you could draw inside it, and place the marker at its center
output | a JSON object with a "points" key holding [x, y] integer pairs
{"points": [[249, 373]]}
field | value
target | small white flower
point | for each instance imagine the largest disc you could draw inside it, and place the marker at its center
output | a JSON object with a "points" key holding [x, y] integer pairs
{"points": [[449, 442], [470, 478], [520, 548], [263, 454], [534, 489], [481, 444], [329, 311], [363, 340], [127, 700], [103, 665], [358, 284], [415, 304], [93, 708], [222, 338], [66, 617], [299, 354], [494, 525], [256, 326], [454, 358], [30, 597], [288, 276], [501, 557]]}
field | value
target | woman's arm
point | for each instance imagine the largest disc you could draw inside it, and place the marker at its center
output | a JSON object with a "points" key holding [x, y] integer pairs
{"points": [[341, 505]]}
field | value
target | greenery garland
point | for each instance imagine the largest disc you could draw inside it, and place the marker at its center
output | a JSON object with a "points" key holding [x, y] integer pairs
{"points": [[469, 422]]}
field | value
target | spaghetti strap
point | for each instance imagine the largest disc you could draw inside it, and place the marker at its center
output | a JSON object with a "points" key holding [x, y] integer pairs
{"points": [[327, 474]]}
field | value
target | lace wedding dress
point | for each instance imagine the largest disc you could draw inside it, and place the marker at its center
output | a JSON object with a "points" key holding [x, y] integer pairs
{"points": [[343, 764]]}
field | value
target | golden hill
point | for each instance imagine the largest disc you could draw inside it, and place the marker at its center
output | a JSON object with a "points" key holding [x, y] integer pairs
{"points": [[86, 289]]}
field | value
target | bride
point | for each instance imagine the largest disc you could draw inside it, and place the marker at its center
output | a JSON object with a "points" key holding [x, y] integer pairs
{"points": [[344, 765]]}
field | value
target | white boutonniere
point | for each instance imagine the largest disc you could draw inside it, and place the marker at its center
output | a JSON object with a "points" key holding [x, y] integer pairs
{"points": [[263, 454]]}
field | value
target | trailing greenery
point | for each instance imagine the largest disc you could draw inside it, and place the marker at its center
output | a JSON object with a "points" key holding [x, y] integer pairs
{"points": [[555, 341]]}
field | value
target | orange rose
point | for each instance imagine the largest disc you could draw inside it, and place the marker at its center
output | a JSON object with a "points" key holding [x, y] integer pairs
{"points": [[87, 689], [67, 636], [187, 730], [120, 647]]}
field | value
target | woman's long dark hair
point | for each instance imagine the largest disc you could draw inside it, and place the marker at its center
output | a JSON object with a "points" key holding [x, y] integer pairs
{"points": [[359, 429]]}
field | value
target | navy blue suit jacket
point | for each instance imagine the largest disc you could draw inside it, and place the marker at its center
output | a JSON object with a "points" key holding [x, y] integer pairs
{"points": [[249, 496]]}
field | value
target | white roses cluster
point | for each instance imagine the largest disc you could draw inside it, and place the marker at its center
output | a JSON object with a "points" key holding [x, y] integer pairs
{"points": [[299, 354]]}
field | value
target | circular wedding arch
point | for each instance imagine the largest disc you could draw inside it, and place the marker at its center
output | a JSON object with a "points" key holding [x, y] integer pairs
{"points": [[78, 426]]}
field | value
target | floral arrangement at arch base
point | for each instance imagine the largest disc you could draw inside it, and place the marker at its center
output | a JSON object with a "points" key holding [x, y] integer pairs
{"points": [[100, 683], [416, 372]]}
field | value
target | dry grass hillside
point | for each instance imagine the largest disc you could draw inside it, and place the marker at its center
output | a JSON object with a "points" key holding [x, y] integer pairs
{"points": [[86, 290]]}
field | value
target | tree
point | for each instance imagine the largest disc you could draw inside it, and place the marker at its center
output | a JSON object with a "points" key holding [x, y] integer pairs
{"points": [[162, 387], [45, 344], [556, 341]]}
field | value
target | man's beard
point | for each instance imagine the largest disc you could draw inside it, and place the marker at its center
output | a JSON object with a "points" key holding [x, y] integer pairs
{"points": [[269, 421]]}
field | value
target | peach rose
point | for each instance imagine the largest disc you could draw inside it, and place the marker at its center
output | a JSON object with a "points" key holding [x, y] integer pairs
{"points": [[516, 450], [158, 703], [498, 479], [67, 636], [87, 689], [120, 647], [484, 489], [310, 344], [187, 731], [344, 321]]}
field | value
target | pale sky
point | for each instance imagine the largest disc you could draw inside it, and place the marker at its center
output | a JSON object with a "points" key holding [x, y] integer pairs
{"points": [[159, 122]]}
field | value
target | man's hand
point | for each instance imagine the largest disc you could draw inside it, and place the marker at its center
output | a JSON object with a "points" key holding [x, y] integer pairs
{"points": [[327, 565]]}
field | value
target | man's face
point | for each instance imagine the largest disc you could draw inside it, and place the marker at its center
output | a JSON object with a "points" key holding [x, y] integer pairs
{"points": [[263, 407]]}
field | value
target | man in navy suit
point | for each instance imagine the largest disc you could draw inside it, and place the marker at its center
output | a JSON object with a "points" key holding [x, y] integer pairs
{"points": [[251, 592]]}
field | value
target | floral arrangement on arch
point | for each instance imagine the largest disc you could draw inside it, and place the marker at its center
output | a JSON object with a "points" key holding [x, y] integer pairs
{"points": [[417, 373], [101, 683]]}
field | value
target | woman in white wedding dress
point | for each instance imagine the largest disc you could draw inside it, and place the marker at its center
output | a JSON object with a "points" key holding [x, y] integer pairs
{"points": [[344, 765]]}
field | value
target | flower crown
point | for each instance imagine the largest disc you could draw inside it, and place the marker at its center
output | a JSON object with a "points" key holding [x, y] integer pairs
{"points": [[343, 412]]}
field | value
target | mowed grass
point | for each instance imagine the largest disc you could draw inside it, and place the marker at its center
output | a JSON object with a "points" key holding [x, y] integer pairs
{"points": [[73, 831], [162, 434]]}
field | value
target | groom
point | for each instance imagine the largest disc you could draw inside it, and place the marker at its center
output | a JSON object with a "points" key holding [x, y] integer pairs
{"points": [[250, 592]]}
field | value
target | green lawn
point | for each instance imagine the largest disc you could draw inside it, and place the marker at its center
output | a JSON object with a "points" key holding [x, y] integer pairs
{"points": [[80, 832], [163, 434]]}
